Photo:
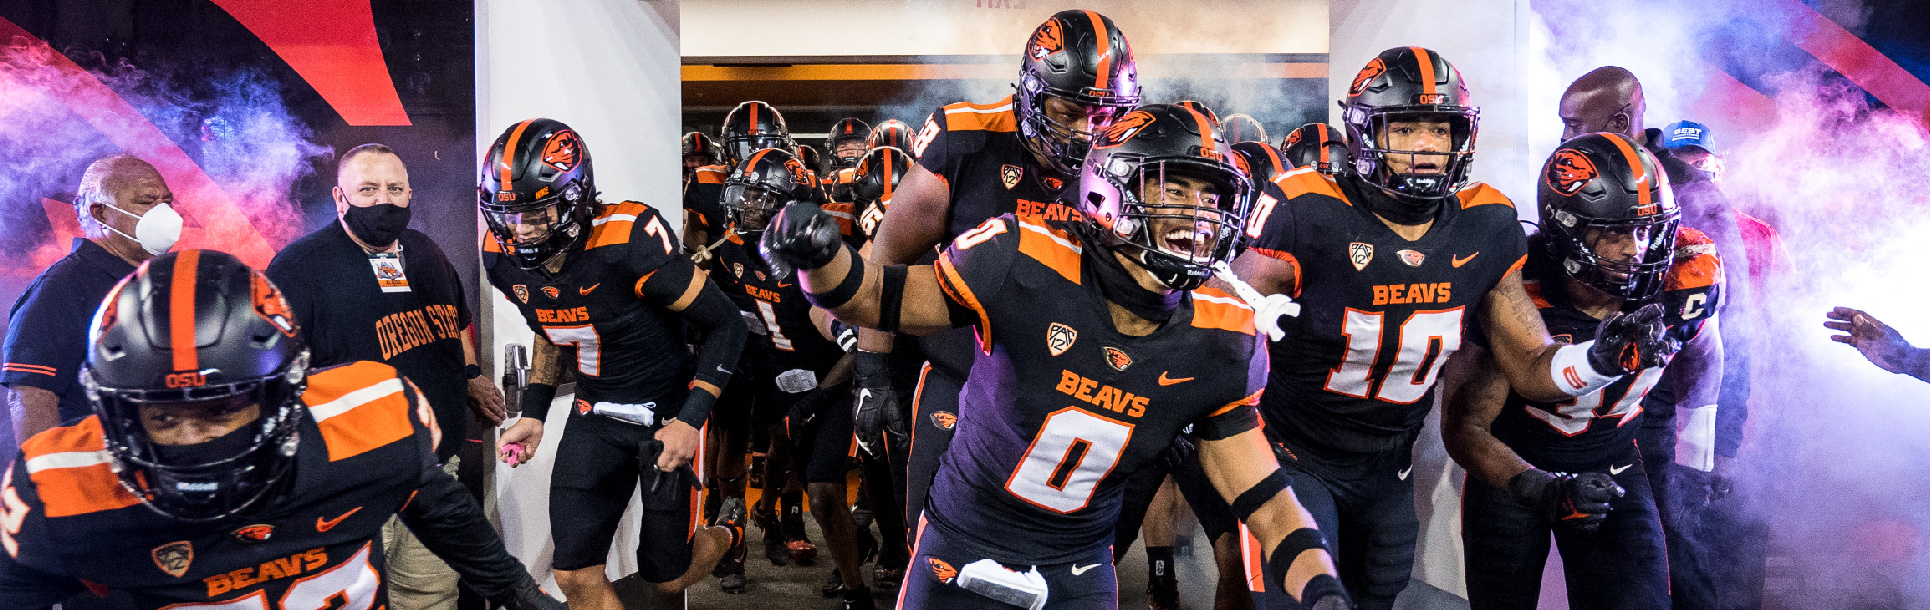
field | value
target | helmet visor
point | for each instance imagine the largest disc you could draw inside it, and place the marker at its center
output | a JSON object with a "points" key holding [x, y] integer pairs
{"points": [[752, 206], [528, 226]]}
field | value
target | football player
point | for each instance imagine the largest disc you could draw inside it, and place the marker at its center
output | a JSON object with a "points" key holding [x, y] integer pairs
{"points": [[699, 151], [638, 409], [1315, 145], [976, 162], [1263, 161], [1388, 258], [1610, 243], [748, 128], [1243, 128], [1096, 348], [847, 140], [220, 471], [813, 371], [893, 133], [874, 183]]}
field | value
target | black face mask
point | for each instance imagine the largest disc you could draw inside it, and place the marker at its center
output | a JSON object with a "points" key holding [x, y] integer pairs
{"points": [[377, 225], [213, 450], [1400, 211], [1119, 286]]}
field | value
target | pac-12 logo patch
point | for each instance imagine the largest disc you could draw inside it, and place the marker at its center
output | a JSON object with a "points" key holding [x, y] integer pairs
{"points": [[174, 557], [1011, 174], [945, 420], [1059, 338], [1117, 359], [1359, 254]]}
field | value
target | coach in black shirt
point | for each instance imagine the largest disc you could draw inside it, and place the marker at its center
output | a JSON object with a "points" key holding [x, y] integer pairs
{"points": [[369, 288], [126, 216]]}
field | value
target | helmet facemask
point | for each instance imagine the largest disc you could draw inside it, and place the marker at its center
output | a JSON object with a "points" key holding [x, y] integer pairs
{"points": [[1626, 259], [1177, 218], [750, 207], [535, 233], [1063, 144], [1414, 177]]}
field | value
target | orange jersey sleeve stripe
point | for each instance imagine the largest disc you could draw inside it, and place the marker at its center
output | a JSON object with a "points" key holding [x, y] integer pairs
{"points": [[612, 227], [1219, 310], [1482, 194], [1304, 181], [1051, 247], [29, 368], [949, 280], [359, 407], [1289, 258], [1251, 399], [1515, 268], [72, 472], [996, 117]]}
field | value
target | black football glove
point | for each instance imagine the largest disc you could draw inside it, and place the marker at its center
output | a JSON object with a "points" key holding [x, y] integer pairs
{"points": [[1626, 343], [1177, 453], [802, 237], [807, 408], [1580, 500], [531, 597], [876, 415]]}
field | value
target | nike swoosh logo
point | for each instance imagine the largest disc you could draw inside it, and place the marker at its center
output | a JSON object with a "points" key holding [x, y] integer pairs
{"points": [[1404, 472], [1462, 260], [783, 285], [323, 525], [592, 288], [1164, 380], [1077, 570], [1615, 470]]}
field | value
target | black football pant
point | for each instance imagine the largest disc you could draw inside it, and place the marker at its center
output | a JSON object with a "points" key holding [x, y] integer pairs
{"points": [[1215, 517], [1089, 583], [934, 412], [596, 471], [1622, 565], [1364, 506], [1718, 551]]}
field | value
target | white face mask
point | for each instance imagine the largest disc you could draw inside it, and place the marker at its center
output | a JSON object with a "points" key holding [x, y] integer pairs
{"points": [[156, 231]]}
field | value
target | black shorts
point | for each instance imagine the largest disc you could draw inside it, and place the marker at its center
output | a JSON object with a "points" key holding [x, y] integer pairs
{"points": [[826, 445], [596, 471], [930, 582], [1620, 565]]}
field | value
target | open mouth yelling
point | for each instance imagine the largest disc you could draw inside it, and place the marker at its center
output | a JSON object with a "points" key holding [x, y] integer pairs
{"points": [[1186, 241]]}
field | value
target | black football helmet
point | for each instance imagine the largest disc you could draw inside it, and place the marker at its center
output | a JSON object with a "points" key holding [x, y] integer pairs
{"points": [[848, 129], [1263, 161], [762, 185], [1202, 108], [1080, 57], [810, 157], [699, 150], [1602, 190], [197, 328], [754, 126], [1150, 144], [878, 173], [1316, 145], [1409, 84], [1242, 128], [537, 192], [893, 133]]}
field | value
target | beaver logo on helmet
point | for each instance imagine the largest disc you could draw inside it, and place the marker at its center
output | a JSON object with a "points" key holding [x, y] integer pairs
{"points": [[1569, 171], [1367, 75], [798, 175], [562, 150], [270, 305], [1048, 39], [1124, 129]]}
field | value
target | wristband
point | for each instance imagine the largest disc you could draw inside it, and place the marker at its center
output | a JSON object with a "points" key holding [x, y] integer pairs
{"points": [[471, 371], [845, 290], [536, 399], [1570, 371]]}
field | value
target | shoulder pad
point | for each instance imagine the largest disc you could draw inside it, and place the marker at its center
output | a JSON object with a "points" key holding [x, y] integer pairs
{"points": [[996, 117], [1479, 194], [1696, 263], [1214, 308], [359, 407], [711, 174], [72, 471], [1306, 181], [612, 226], [1051, 246]]}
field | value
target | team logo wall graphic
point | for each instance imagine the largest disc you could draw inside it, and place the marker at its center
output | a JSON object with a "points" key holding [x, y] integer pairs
{"points": [[1367, 75], [174, 557], [1569, 170], [1359, 254], [563, 151], [1059, 338]]}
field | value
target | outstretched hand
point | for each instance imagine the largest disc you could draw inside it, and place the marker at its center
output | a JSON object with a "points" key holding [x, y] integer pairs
{"points": [[1884, 346]]}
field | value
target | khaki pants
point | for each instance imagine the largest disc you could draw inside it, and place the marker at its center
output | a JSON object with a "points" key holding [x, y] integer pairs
{"points": [[418, 580]]}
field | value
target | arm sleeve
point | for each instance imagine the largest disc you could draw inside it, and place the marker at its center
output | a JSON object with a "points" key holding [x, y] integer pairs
{"points": [[46, 339], [974, 268], [713, 313], [1242, 413]]}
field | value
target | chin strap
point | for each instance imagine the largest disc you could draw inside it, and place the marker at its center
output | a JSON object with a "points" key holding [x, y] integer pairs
{"points": [[1267, 309]]}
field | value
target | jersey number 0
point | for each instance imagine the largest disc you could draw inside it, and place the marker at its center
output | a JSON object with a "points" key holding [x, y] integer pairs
{"points": [[1072, 453]]}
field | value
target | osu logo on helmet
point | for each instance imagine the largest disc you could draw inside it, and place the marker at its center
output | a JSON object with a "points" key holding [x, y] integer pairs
{"points": [[1048, 39], [796, 167], [1374, 69], [1569, 170], [562, 151], [1124, 129]]}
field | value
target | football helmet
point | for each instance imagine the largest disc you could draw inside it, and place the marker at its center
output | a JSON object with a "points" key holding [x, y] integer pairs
{"points": [[1263, 161], [1404, 85], [762, 185], [1080, 57], [878, 173], [1178, 241], [197, 328], [1601, 191], [848, 129], [1202, 108], [1242, 128], [754, 126], [893, 133], [1316, 145], [537, 192]]}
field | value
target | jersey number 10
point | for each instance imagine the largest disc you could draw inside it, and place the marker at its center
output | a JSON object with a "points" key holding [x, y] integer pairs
{"points": [[1426, 341]]}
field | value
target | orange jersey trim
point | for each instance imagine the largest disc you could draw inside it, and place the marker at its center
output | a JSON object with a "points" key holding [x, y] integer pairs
{"points": [[612, 226], [72, 472], [1696, 263], [1482, 194], [359, 407], [1285, 256], [1533, 287], [1251, 399], [29, 368], [1215, 309], [1296, 183], [1051, 247], [954, 285], [996, 116], [711, 174], [1516, 268]]}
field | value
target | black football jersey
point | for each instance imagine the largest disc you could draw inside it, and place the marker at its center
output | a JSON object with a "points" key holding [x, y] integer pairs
{"points": [[626, 349], [1379, 314], [779, 304], [1587, 432], [977, 150], [704, 200], [316, 542], [1060, 408]]}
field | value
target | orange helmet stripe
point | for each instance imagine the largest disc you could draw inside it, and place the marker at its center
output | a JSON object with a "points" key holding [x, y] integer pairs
{"points": [[753, 129], [1635, 163], [887, 177], [509, 152], [181, 321], [1206, 132], [1105, 48], [1427, 69], [1323, 144]]}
